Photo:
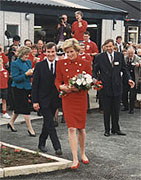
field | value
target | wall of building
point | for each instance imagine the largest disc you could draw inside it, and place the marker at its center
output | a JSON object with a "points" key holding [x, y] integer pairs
{"points": [[26, 27], [109, 33]]}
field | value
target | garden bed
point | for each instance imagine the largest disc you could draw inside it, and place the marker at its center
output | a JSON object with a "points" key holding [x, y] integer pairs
{"points": [[20, 161]]}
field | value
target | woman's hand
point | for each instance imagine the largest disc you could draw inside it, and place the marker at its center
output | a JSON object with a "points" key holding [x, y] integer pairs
{"points": [[29, 72], [65, 88], [74, 89]]}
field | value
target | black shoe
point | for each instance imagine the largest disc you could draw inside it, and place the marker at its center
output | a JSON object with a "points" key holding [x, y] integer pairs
{"points": [[12, 129], [131, 112], [58, 152], [119, 133], [56, 123], [124, 109], [107, 134], [42, 149], [30, 134]]}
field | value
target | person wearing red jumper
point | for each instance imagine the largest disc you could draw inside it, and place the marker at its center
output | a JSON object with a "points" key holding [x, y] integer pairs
{"points": [[32, 55], [90, 46], [3, 57], [3, 89], [43, 55], [79, 26], [83, 55]]}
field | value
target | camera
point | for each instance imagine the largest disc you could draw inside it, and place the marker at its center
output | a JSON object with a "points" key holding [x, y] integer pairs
{"points": [[13, 49], [60, 19]]}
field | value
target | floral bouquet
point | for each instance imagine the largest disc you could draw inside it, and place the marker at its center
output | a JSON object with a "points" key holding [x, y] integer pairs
{"points": [[83, 81]]}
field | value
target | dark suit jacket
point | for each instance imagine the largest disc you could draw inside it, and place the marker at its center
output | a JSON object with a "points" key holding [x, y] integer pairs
{"points": [[110, 76], [44, 90]]}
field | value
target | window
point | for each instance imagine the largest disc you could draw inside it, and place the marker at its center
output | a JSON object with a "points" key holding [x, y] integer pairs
{"points": [[133, 34], [13, 30]]}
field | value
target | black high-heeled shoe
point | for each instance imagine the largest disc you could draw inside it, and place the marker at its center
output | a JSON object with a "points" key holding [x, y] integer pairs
{"points": [[30, 134], [12, 129]]}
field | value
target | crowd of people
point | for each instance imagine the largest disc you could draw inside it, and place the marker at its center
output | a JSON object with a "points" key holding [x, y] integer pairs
{"points": [[32, 76]]}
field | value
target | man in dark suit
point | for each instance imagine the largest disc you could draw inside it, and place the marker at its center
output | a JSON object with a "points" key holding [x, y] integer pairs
{"points": [[110, 64], [45, 97]]}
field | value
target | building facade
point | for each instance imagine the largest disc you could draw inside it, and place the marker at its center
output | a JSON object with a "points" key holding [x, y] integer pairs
{"points": [[29, 20]]}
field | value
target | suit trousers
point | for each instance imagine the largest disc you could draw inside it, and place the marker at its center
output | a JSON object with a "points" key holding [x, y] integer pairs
{"points": [[48, 128], [111, 105], [132, 97]]}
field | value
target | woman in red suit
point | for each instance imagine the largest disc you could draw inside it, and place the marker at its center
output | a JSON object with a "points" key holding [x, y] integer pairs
{"points": [[74, 102]]}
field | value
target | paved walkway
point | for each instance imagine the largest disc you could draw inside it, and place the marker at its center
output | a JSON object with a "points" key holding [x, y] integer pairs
{"points": [[111, 158]]}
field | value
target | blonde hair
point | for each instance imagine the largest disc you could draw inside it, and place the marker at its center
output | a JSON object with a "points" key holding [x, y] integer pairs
{"points": [[23, 50], [72, 42]]}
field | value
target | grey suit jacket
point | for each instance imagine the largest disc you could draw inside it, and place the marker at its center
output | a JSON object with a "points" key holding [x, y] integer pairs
{"points": [[136, 59]]}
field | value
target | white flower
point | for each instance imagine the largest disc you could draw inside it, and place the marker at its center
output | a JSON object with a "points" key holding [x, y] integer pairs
{"points": [[79, 82], [82, 79], [74, 78], [73, 82], [83, 72], [84, 83], [89, 79]]}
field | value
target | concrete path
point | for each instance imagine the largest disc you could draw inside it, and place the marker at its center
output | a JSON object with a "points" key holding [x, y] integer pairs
{"points": [[111, 158]]}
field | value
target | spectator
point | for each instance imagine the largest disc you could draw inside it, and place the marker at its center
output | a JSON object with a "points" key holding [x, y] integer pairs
{"points": [[139, 52], [4, 89], [4, 58], [11, 52], [79, 26], [13, 57], [33, 55], [63, 30], [40, 47], [21, 70], [87, 58], [119, 44], [90, 47], [28, 43], [124, 51], [42, 56], [60, 54], [133, 63]]}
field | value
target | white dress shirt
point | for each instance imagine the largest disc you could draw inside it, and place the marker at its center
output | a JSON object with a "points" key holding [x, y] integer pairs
{"points": [[109, 56], [49, 65]]}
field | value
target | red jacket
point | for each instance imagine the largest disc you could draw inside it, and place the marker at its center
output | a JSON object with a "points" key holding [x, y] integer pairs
{"points": [[79, 31], [5, 59], [4, 79], [31, 58], [90, 47], [42, 56]]}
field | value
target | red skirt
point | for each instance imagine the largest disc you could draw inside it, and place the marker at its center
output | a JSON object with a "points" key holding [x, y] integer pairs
{"points": [[75, 109]]}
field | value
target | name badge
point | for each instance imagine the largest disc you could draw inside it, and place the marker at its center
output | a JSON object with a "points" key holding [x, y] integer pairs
{"points": [[116, 63], [133, 64]]}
